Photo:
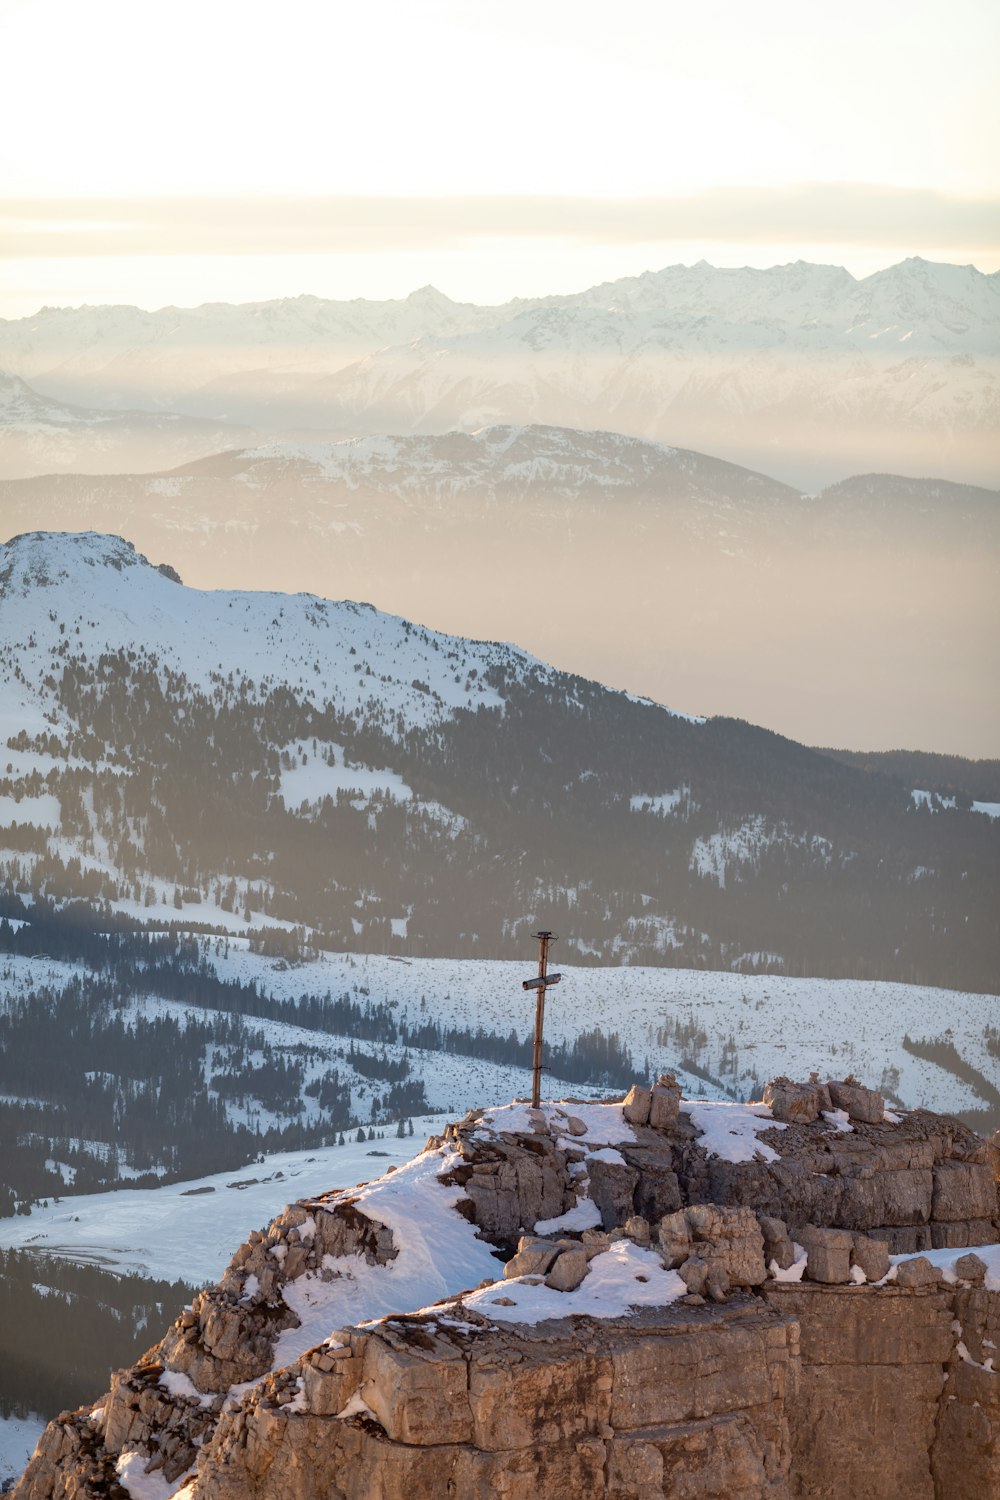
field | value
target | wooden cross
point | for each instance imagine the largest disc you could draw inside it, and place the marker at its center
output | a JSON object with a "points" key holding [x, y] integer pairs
{"points": [[540, 985]]}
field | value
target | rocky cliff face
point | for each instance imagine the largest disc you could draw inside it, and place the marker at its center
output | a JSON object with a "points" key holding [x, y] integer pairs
{"points": [[673, 1298]]}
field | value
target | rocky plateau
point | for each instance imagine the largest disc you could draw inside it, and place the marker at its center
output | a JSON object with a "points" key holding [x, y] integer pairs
{"points": [[794, 1298]]}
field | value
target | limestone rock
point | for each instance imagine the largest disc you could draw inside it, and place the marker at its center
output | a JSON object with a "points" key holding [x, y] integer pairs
{"points": [[568, 1270], [971, 1268], [829, 1253], [916, 1272], [658, 1190], [717, 1283], [694, 1274], [665, 1102], [817, 1389], [612, 1186], [870, 1256], [726, 1242], [778, 1247], [887, 1198], [965, 1232], [963, 1190], [795, 1103], [866, 1414], [636, 1106], [637, 1229], [864, 1105], [992, 1154], [595, 1242], [534, 1257]]}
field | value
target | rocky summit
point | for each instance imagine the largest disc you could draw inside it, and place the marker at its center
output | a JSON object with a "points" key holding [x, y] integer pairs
{"points": [[647, 1297]]}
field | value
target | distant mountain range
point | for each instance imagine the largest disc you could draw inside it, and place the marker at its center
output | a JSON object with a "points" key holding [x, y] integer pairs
{"points": [[246, 760], [800, 369], [656, 568], [41, 435]]}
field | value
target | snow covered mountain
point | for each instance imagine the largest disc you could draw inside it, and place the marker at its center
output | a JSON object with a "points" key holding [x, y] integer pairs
{"points": [[39, 435], [664, 570], [247, 760], [800, 369], [117, 355]]}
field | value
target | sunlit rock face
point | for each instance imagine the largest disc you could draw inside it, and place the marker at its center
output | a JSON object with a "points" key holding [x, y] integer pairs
{"points": [[638, 1299]]}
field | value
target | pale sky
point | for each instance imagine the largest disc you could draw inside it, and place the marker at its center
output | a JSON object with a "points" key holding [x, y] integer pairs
{"points": [[214, 149]]}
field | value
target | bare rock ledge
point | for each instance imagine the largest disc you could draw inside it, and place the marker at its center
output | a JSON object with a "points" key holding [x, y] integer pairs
{"points": [[783, 1359]]}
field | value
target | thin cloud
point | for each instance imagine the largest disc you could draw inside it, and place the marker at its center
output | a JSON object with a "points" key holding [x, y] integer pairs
{"points": [[812, 213]]}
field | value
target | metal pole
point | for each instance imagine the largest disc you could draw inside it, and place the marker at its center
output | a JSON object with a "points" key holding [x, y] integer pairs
{"points": [[536, 1059]]}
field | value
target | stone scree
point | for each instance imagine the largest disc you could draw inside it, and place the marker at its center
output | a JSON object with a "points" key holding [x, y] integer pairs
{"points": [[749, 1386]]}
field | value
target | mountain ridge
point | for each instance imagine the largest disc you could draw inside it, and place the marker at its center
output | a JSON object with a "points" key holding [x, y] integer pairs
{"points": [[668, 571], [393, 789], [746, 363]]}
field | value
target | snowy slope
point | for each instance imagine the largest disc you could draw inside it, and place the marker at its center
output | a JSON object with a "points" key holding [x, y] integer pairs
{"points": [[99, 593], [188, 1230], [18, 1436], [406, 800], [741, 1028], [725, 1034]]}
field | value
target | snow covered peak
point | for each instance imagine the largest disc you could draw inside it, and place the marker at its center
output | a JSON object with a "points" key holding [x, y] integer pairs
{"points": [[19, 404], [84, 594], [429, 297], [895, 371], [90, 594], [47, 559]]}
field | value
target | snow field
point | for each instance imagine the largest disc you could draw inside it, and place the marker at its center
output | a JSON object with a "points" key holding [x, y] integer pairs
{"points": [[777, 1024], [18, 1436], [188, 1231]]}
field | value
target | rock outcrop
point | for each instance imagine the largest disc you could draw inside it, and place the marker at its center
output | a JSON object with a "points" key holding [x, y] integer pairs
{"points": [[674, 1299]]}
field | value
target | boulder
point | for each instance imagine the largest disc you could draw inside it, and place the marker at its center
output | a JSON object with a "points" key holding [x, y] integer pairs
{"points": [[568, 1271], [971, 1268], [665, 1102], [595, 1242], [637, 1230], [795, 1103], [694, 1274], [675, 1239], [717, 1283], [917, 1272], [636, 1106], [534, 1257], [735, 1240], [829, 1253], [864, 1105], [778, 1247], [870, 1256], [726, 1238]]}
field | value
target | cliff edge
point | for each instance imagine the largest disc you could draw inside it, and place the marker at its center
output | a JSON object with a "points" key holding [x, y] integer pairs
{"points": [[647, 1297]]}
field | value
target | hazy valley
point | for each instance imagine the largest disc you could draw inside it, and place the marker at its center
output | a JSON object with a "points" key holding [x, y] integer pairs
{"points": [[800, 370]]}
